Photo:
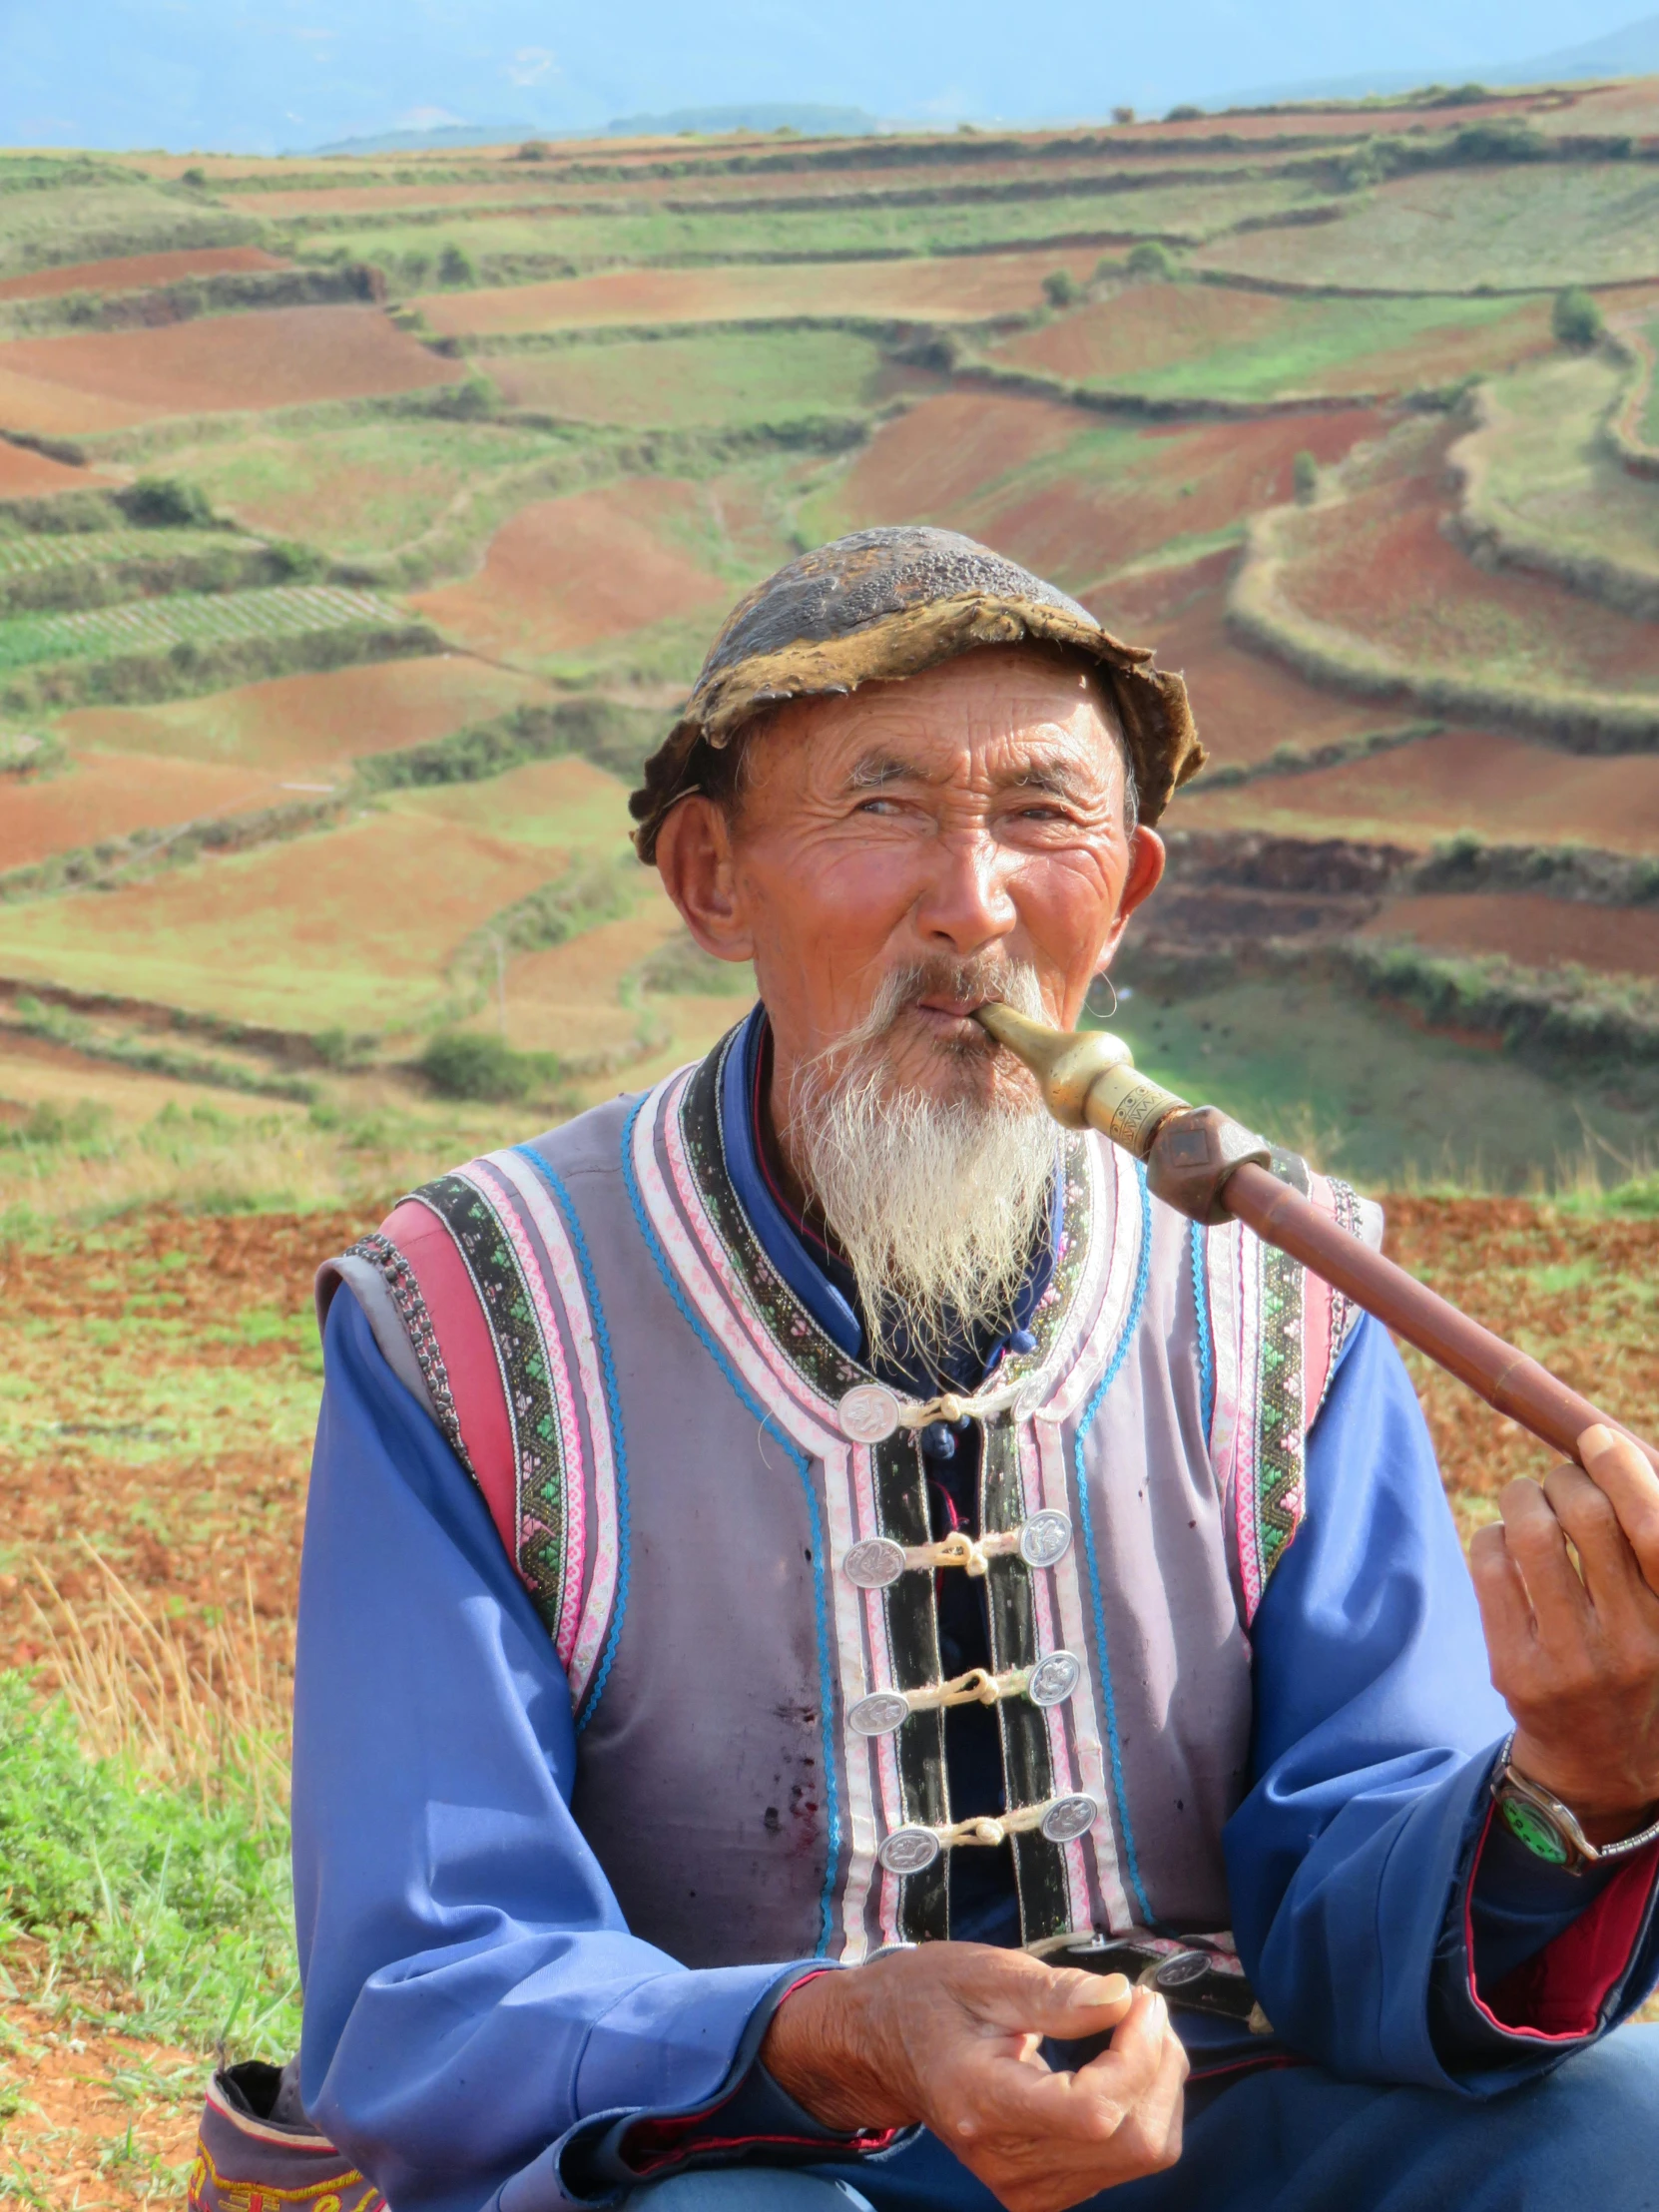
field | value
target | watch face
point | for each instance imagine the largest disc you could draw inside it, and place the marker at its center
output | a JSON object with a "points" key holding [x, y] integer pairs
{"points": [[1535, 1830]]}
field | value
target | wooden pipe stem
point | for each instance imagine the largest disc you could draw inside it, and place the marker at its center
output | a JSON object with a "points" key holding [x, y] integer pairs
{"points": [[1206, 1165], [1503, 1375]]}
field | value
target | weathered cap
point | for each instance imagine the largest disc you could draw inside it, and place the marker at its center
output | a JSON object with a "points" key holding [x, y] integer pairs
{"points": [[888, 603]]}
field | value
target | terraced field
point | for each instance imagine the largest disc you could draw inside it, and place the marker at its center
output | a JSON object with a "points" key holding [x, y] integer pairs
{"points": [[362, 522]]}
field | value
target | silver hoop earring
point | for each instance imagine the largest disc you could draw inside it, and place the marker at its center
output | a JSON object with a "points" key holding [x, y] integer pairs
{"points": [[1092, 1005]]}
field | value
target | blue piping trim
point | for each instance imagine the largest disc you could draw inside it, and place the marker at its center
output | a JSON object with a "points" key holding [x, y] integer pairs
{"points": [[1200, 1245], [803, 1468], [1085, 1521], [613, 1406]]}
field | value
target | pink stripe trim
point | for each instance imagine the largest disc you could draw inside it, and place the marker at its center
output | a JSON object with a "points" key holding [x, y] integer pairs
{"points": [[468, 1355]]}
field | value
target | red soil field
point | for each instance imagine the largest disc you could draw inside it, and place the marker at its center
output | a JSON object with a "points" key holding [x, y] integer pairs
{"points": [[282, 359], [1508, 791], [136, 271], [971, 461], [111, 794], [1377, 565], [567, 572], [1142, 328], [25, 474], [298, 724], [1529, 928], [1246, 706], [1146, 327], [1626, 105], [956, 288]]}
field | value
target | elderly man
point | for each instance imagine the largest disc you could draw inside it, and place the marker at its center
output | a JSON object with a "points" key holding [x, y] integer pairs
{"points": [[826, 1607]]}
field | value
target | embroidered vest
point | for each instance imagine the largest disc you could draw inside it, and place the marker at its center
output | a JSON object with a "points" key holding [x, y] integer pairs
{"points": [[716, 1518]]}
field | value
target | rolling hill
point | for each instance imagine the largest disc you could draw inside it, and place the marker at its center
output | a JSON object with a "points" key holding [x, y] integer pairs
{"points": [[362, 519]]}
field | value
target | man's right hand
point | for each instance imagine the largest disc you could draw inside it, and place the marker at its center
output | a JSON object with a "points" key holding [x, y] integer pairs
{"points": [[947, 2035]]}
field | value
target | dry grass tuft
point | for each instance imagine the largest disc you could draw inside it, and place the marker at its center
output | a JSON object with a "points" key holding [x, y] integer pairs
{"points": [[199, 1708]]}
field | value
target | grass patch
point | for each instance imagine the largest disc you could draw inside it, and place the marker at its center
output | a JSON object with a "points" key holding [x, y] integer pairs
{"points": [[728, 379], [173, 1908], [356, 488], [1369, 1095]]}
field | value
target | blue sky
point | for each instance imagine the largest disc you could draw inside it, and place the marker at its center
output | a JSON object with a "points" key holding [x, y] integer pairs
{"points": [[262, 75]]}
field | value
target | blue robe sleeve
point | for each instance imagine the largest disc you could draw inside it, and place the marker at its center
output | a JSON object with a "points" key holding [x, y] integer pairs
{"points": [[1371, 1908], [477, 2016]]}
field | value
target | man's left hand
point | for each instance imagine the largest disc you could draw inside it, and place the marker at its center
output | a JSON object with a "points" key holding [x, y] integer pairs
{"points": [[1576, 1652]]}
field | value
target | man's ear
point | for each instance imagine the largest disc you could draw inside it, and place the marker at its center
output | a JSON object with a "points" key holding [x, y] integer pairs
{"points": [[1146, 867], [695, 860]]}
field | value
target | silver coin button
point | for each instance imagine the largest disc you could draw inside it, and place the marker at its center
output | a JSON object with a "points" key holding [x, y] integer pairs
{"points": [[1068, 1818], [869, 1412], [909, 1850], [1053, 1679], [879, 1712], [1046, 1538], [875, 1563]]}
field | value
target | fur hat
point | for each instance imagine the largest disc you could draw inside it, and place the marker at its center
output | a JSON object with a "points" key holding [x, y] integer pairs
{"points": [[890, 603]]}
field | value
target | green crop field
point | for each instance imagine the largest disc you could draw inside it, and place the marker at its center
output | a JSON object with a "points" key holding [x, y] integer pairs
{"points": [[84, 213], [154, 625], [731, 379], [356, 488], [30, 554], [1190, 213], [1534, 224]]}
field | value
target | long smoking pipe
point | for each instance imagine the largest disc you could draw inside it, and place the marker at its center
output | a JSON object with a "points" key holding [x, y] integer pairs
{"points": [[1209, 1167]]}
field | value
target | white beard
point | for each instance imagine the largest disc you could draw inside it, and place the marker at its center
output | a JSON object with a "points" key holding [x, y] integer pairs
{"points": [[937, 1204]]}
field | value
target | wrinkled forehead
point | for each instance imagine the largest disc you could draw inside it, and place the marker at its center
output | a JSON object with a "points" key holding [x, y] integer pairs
{"points": [[1001, 711]]}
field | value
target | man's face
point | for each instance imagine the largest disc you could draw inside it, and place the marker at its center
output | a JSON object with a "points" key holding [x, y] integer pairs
{"points": [[962, 823]]}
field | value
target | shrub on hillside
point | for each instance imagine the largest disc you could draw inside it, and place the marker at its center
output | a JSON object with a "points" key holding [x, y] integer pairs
{"points": [[468, 1064], [1576, 320], [1185, 113], [1305, 476], [1153, 259], [1061, 289], [456, 265], [165, 503], [1498, 142]]}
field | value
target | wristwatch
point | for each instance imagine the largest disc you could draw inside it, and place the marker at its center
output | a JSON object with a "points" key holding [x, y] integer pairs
{"points": [[1550, 1829]]}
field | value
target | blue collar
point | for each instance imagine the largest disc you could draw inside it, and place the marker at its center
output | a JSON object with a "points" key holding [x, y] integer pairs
{"points": [[816, 1273]]}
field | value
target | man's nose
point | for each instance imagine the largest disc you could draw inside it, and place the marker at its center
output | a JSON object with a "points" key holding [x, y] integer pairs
{"points": [[966, 902]]}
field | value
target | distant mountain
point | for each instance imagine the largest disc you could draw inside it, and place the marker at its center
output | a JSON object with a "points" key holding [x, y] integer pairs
{"points": [[754, 115], [811, 122], [431, 141], [1630, 52]]}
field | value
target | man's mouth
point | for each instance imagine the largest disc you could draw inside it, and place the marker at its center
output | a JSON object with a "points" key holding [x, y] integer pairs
{"points": [[948, 1020]]}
